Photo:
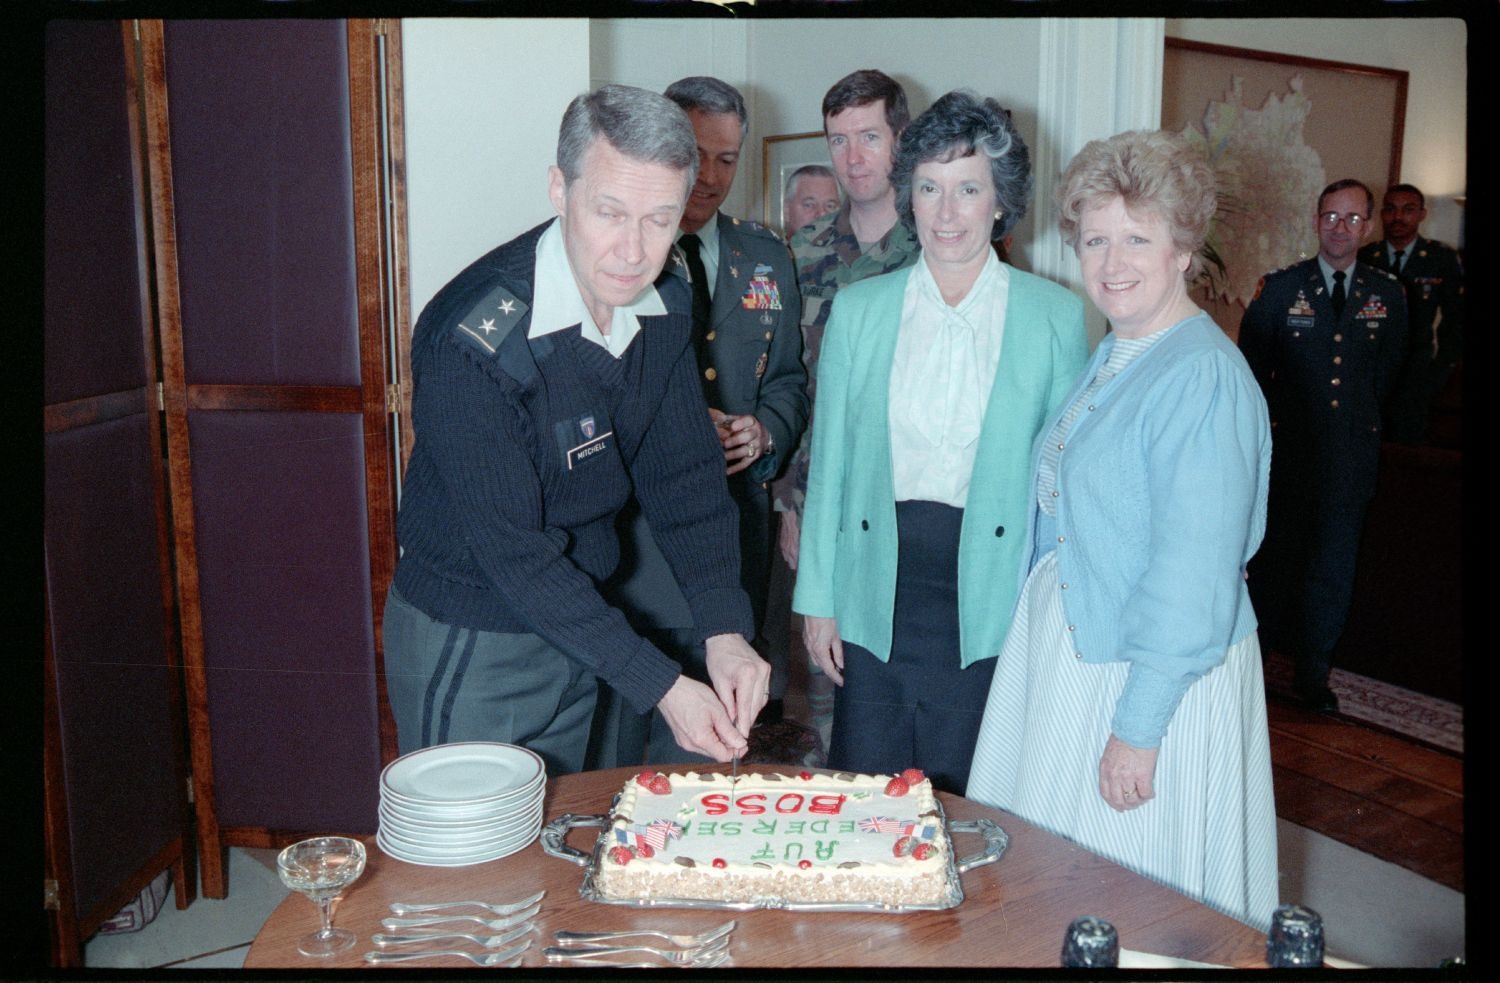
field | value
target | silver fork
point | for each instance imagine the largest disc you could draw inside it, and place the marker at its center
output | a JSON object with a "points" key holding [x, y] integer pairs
{"points": [[686, 941], [505, 957], [488, 941], [494, 924], [715, 960], [677, 957], [402, 908]]}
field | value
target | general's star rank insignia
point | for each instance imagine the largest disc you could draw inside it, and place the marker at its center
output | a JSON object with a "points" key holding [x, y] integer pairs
{"points": [[487, 325], [507, 307]]}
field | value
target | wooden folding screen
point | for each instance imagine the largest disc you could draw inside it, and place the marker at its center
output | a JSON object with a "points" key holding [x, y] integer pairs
{"points": [[223, 287], [265, 169], [116, 798]]}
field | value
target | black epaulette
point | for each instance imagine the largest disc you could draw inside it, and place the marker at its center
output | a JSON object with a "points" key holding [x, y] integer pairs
{"points": [[489, 321]]}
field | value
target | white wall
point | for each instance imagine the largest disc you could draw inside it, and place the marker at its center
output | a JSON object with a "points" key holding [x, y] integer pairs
{"points": [[655, 52], [1433, 50], [483, 101]]}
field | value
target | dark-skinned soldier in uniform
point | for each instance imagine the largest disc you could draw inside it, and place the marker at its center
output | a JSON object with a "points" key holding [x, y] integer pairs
{"points": [[749, 351], [1325, 339], [1433, 275]]}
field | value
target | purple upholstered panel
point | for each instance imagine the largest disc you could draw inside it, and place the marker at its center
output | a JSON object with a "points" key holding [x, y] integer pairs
{"points": [[262, 176], [285, 576], [92, 283], [112, 674]]}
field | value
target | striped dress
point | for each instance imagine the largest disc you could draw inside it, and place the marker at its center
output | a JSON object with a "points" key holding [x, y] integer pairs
{"points": [[1210, 830]]}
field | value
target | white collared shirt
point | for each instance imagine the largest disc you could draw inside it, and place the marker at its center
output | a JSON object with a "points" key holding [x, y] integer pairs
{"points": [[558, 303], [941, 376], [709, 253]]}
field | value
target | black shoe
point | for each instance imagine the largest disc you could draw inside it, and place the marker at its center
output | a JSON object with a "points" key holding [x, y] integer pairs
{"points": [[771, 713], [1319, 699]]}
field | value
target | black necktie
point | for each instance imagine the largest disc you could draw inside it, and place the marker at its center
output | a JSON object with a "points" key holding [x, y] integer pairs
{"points": [[1396, 265], [1338, 293], [691, 248]]}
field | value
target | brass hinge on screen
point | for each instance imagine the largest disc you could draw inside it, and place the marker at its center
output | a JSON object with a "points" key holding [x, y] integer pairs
{"points": [[382, 27], [393, 397], [161, 398], [190, 789], [50, 900]]}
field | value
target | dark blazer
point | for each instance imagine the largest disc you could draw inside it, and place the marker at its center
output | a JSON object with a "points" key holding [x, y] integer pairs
{"points": [[1433, 275], [755, 366], [755, 342], [1325, 379]]}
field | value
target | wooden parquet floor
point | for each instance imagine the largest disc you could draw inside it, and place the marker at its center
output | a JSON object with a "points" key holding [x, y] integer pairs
{"points": [[1397, 799]]}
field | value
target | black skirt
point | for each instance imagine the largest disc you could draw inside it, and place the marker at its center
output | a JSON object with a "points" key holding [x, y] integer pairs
{"points": [[919, 709]]}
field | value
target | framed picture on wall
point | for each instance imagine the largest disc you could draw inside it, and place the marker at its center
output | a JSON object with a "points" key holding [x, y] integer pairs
{"points": [[1277, 128], [781, 155]]}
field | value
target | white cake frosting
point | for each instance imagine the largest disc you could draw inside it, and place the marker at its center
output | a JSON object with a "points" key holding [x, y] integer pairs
{"points": [[767, 838]]}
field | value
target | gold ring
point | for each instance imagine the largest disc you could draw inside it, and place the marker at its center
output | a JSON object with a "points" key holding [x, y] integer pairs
{"points": [[1129, 794]]}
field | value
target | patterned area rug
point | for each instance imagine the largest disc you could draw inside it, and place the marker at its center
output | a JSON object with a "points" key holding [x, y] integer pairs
{"points": [[1428, 719]]}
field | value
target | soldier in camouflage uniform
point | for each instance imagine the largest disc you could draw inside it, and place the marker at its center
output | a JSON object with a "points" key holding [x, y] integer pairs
{"points": [[828, 257], [863, 116]]}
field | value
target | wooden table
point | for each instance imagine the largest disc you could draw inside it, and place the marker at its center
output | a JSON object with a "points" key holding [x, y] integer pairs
{"points": [[1014, 912]]}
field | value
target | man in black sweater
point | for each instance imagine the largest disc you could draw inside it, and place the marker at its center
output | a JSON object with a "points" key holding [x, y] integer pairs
{"points": [[551, 378]]}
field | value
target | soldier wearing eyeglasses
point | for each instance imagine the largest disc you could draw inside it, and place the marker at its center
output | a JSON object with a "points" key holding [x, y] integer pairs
{"points": [[1326, 338]]}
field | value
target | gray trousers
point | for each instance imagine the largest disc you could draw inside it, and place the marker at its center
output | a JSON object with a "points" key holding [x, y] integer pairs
{"points": [[448, 683]]}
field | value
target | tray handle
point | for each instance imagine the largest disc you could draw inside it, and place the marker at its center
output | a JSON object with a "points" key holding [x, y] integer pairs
{"points": [[554, 836], [996, 840]]}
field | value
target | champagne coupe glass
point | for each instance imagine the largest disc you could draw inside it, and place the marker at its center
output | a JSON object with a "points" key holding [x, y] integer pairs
{"points": [[321, 868]]}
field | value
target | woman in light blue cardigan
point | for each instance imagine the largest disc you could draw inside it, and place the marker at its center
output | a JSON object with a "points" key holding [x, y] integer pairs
{"points": [[1127, 710], [932, 384]]}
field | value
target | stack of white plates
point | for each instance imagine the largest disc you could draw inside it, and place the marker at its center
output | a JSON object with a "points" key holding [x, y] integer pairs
{"points": [[459, 804]]}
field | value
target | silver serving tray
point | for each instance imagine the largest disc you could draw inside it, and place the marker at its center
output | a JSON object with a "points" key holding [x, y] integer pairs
{"points": [[554, 841]]}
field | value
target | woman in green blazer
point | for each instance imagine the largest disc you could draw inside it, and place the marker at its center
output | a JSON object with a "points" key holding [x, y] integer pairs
{"points": [[932, 385]]}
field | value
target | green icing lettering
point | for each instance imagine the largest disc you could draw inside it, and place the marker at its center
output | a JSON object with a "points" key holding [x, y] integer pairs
{"points": [[793, 846], [765, 827], [825, 852], [819, 827], [846, 826], [795, 827], [730, 829], [706, 827], [764, 853]]}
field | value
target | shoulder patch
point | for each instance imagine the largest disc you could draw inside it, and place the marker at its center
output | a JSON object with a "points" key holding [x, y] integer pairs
{"points": [[489, 321]]}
